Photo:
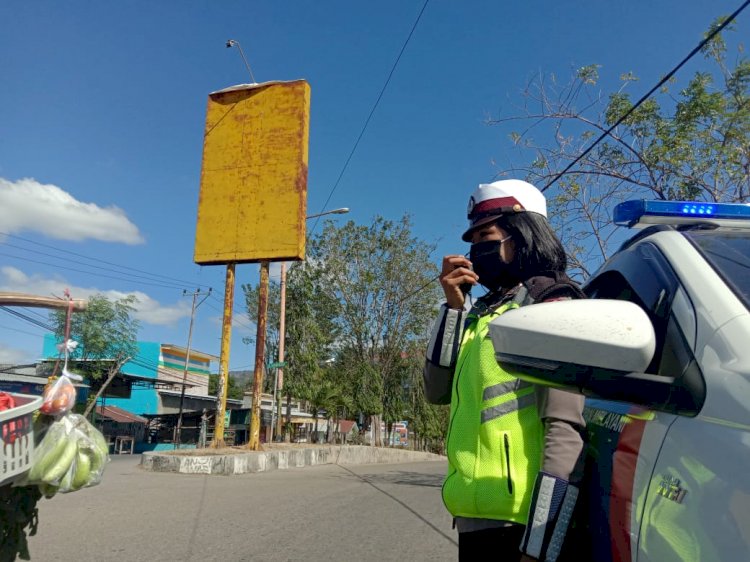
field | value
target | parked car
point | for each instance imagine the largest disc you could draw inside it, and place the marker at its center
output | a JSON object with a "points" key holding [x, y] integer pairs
{"points": [[662, 353]]}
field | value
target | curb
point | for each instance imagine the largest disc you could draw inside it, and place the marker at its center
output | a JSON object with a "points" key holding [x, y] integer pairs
{"points": [[282, 459]]}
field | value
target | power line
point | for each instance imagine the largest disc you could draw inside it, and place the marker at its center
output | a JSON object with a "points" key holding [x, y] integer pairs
{"points": [[27, 318], [98, 260], [621, 119], [235, 310], [138, 360], [68, 260], [35, 313], [650, 92], [372, 111], [163, 285], [234, 316], [21, 331]]}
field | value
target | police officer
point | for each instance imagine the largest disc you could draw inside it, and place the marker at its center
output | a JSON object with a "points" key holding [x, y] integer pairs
{"points": [[513, 448]]}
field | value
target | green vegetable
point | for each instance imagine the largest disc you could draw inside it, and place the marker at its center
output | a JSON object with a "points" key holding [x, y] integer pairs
{"points": [[83, 469], [62, 464], [66, 483], [48, 452]]}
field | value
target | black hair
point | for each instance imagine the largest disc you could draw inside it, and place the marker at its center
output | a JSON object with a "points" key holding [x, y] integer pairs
{"points": [[537, 247]]}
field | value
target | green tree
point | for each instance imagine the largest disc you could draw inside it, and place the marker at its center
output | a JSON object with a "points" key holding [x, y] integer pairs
{"points": [[271, 352], [362, 298], [311, 332], [234, 389], [379, 276], [692, 144], [428, 423], [106, 334]]}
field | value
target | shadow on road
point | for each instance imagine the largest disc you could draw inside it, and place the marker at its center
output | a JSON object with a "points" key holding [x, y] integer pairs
{"points": [[407, 478], [411, 478]]}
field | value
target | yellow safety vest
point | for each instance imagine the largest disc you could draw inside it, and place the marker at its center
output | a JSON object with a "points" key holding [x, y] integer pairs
{"points": [[495, 437]]}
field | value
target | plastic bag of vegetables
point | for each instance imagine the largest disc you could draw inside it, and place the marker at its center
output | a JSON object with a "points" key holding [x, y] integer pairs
{"points": [[59, 396], [71, 455]]}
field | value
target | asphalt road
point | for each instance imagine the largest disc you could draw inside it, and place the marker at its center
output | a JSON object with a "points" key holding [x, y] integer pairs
{"points": [[328, 512]]}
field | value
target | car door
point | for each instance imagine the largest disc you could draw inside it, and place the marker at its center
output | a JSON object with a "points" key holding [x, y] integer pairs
{"points": [[624, 440], [697, 506]]}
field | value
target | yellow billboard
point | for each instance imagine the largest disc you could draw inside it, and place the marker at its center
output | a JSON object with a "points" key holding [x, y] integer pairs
{"points": [[253, 192]]}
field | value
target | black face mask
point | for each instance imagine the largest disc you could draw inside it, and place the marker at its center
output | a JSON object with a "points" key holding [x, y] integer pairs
{"points": [[493, 272]]}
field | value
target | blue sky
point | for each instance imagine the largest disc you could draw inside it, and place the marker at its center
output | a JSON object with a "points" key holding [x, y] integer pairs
{"points": [[102, 109]]}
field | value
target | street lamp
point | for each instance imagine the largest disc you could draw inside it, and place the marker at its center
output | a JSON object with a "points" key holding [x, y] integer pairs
{"points": [[341, 211], [279, 382]]}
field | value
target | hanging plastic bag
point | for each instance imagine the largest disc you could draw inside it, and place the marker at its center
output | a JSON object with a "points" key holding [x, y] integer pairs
{"points": [[71, 455], [60, 395]]}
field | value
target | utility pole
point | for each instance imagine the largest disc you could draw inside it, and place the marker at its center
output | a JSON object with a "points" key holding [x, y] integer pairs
{"points": [[195, 294], [280, 370]]}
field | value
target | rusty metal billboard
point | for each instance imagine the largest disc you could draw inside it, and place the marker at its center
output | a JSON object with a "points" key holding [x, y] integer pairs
{"points": [[253, 192]]}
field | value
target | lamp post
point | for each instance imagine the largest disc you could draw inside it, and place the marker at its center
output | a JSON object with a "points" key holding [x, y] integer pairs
{"points": [[279, 383]]}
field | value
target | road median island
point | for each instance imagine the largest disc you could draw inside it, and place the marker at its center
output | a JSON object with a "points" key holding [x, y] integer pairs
{"points": [[238, 460]]}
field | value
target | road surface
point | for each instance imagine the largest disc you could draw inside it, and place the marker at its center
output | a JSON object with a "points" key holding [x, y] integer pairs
{"points": [[328, 512]]}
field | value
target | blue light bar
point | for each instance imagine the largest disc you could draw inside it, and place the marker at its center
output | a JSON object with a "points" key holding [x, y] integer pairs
{"points": [[642, 212]]}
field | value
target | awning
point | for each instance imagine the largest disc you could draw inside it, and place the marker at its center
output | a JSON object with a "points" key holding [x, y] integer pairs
{"points": [[119, 415]]}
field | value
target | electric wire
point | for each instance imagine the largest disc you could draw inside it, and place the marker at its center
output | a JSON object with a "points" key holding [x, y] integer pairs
{"points": [[21, 331], [136, 277], [671, 73], [137, 360], [236, 311], [87, 272], [27, 318], [235, 321], [182, 282], [34, 312], [372, 111], [648, 94]]}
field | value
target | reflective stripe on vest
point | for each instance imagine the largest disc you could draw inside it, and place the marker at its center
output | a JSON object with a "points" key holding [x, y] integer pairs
{"points": [[507, 407]]}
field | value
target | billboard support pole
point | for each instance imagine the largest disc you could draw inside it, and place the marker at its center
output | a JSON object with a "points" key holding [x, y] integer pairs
{"points": [[226, 340], [260, 343]]}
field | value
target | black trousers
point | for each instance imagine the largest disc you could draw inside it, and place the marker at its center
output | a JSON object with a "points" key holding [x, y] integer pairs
{"points": [[499, 544]]}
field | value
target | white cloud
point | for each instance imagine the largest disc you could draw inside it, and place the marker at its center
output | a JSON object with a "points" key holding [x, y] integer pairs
{"points": [[148, 310], [12, 356], [27, 205]]}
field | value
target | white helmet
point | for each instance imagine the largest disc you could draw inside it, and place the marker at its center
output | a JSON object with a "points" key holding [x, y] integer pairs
{"points": [[491, 200]]}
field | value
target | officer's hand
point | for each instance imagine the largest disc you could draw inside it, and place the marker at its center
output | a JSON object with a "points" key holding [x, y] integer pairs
{"points": [[456, 271]]}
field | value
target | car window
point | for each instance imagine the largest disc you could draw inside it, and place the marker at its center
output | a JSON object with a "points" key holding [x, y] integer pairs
{"points": [[640, 275], [728, 252], [643, 276], [614, 285]]}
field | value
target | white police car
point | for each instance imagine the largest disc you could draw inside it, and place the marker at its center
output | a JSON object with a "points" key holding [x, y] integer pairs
{"points": [[667, 381]]}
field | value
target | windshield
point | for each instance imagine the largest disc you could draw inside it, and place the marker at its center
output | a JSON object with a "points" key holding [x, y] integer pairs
{"points": [[728, 251]]}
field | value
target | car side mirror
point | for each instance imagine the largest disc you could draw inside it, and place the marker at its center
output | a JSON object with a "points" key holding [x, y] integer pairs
{"points": [[596, 347]]}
